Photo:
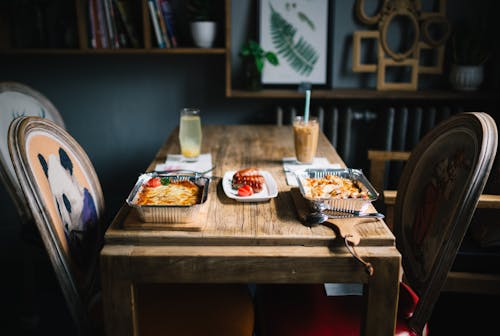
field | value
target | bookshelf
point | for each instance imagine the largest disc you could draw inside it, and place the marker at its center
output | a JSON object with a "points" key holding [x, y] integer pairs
{"points": [[73, 34], [77, 23]]}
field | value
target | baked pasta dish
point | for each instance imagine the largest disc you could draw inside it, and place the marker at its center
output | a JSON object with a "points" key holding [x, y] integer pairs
{"points": [[333, 186], [162, 191]]}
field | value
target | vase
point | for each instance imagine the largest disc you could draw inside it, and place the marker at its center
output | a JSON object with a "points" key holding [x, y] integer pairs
{"points": [[251, 75], [466, 77], [203, 33]]}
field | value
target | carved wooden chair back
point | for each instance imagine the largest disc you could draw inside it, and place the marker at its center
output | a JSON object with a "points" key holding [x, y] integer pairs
{"points": [[438, 192], [471, 273], [65, 198]]}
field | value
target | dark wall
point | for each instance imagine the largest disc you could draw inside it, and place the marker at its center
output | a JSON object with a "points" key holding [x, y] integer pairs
{"points": [[120, 108]]}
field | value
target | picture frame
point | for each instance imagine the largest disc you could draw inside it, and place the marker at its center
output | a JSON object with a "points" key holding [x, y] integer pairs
{"points": [[305, 23]]}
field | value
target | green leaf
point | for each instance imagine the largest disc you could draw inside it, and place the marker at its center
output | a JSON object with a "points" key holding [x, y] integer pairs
{"points": [[304, 18], [259, 62], [301, 56], [253, 49], [272, 58], [165, 181]]}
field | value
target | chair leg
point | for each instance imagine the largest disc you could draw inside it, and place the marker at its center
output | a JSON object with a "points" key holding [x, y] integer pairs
{"points": [[28, 315]]}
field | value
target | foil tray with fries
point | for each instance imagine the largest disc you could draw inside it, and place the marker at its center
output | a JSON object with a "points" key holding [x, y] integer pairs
{"points": [[346, 190], [172, 213]]}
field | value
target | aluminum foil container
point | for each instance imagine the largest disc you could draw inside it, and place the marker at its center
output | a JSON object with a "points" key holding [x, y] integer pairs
{"points": [[169, 213], [339, 204]]}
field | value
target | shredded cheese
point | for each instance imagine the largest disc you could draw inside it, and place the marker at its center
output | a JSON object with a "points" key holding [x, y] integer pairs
{"points": [[175, 193]]}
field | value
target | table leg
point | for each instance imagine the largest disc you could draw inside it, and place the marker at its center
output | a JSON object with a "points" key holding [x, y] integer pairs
{"points": [[117, 296], [382, 292]]}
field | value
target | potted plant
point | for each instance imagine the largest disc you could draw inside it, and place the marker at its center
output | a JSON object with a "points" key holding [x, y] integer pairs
{"points": [[254, 58], [469, 53], [201, 14]]}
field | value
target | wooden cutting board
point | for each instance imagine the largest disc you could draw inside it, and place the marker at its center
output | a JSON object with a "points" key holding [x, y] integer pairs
{"points": [[345, 227]]}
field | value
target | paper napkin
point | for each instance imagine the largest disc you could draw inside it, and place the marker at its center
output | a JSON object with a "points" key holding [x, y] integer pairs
{"points": [[176, 161], [290, 165], [341, 289]]}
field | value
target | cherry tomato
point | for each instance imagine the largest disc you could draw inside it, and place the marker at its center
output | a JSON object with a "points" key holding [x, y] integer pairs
{"points": [[245, 190], [154, 182]]}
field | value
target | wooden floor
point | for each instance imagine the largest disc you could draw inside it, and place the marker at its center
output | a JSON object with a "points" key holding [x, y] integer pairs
{"points": [[454, 313]]}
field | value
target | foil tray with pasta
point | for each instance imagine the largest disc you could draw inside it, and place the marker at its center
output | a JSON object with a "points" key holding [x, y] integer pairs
{"points": [[345, 190], [163, 198]]}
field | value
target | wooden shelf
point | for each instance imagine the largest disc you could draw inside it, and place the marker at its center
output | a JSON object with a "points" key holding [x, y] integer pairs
{"points": [[81, 22], [74, 51], [233, 90], [363, 94]]}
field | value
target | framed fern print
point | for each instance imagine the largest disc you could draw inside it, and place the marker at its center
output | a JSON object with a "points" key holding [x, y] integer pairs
{"points": [[297, 31]]}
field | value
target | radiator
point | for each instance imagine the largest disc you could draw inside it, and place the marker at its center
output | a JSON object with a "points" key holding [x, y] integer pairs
{"points": [[353, 130]]}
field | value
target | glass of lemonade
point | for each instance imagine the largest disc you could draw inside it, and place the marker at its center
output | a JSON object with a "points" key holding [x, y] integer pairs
{"points": [[190, 133]]}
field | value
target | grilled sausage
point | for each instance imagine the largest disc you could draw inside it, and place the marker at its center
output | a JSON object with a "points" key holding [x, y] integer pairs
{"points": [[249, 176]]}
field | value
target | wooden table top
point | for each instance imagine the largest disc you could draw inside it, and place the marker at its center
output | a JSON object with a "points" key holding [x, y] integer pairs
{"points": [[224, 221]]}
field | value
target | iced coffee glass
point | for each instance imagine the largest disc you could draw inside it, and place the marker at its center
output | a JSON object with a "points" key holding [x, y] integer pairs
{"points": [[306, 138]]}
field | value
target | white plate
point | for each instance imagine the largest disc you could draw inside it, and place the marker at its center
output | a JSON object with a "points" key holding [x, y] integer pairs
{"points": [[269, 189]]}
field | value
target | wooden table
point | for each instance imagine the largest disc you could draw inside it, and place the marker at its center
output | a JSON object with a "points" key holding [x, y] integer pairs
{"points": [[246, 242]]}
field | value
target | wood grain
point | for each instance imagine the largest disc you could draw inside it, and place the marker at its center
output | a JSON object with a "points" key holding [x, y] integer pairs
{"points": [[230, 222]]}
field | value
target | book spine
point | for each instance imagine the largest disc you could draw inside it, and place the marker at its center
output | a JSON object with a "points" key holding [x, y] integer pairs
{"points": [[123, 41], [168, 14], [127, 23], [156, 26], [110, 18], [101, 21], [114, 20], [163, 26], [92, 24]]}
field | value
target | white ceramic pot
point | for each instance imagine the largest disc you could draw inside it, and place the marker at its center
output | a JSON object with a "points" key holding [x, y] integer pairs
{"points": [[203, 33], [466, 77]]}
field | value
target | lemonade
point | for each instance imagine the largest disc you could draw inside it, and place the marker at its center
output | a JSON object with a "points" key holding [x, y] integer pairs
{"points": [[190, 133]]}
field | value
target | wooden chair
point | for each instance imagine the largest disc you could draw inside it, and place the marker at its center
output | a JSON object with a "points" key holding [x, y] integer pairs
{"points": [[16, 100], [476, 282], [64, 195], [440, 187]]}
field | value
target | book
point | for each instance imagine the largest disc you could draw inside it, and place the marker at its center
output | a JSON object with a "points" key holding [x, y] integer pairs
{"points": [[163, 26], [128, 23], [168, 15], [154, 19], [121, 33], [102, 29], [92, 24], [110, 18]]}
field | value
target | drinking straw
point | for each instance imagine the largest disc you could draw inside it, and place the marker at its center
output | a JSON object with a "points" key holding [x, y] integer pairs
{"points": [[306, 111]]}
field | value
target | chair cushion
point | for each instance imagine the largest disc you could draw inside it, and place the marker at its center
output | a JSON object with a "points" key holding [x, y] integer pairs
{"points": [[194, 309], [306, 310]]}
